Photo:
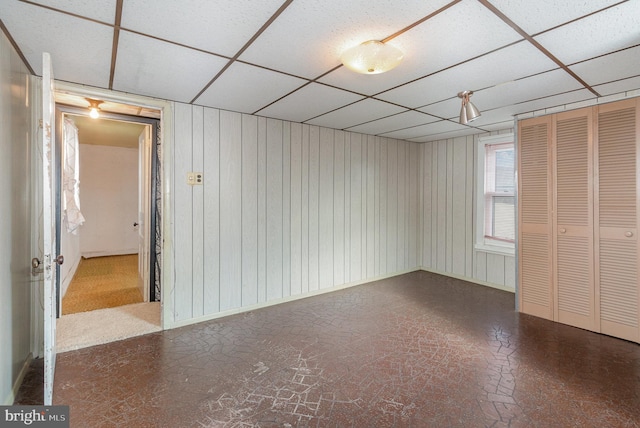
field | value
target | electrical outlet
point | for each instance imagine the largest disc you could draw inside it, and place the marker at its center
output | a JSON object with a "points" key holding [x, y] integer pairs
{"points": [[194, 178]]}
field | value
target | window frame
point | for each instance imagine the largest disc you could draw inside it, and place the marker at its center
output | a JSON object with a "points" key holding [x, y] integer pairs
{"points": [[482, 243]]}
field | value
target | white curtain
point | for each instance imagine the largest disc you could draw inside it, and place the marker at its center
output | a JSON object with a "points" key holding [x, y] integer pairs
{"points": [[70, 177]]}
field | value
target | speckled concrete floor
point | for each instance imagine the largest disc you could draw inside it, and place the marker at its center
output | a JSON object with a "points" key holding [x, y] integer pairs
{"points": [[419, 350]]}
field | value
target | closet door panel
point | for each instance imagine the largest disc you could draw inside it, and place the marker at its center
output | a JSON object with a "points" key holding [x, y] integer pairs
{"points": [[617, 219], [534, 212], [573, 220]]}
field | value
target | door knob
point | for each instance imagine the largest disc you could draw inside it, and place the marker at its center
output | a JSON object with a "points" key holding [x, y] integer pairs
{"points": [[35, 266], [629, 234], [563, 230], [59, 260], [135, 224]]}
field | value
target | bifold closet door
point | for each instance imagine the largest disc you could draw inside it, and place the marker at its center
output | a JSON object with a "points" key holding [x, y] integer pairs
{"points": [[617, 218], [534, 212], [573, 220]]}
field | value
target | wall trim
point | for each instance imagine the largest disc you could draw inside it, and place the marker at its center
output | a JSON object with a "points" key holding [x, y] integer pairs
{"points": [[250, 308], [472, 280], [9, 400]]}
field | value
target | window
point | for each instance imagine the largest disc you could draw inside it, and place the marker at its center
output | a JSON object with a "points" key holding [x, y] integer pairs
{"points": [[496, 194]]}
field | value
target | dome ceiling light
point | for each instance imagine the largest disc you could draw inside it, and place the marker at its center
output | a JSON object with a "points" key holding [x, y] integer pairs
{"points": [[372, 57]]}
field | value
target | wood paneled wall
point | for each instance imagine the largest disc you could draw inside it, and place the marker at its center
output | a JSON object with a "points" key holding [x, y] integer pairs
{"points": [[448, 215], [286, 209]]}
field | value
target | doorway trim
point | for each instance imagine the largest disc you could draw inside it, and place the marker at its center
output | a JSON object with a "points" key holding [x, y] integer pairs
{"points": [[166, 145], [63, 109]]}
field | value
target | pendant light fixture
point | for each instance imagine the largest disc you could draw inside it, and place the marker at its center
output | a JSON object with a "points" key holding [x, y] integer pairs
{"points": [[94, 108], [468, 112], [372, 57]]}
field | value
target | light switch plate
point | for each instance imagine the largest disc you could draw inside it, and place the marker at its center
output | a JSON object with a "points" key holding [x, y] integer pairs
{"points": [[195, 178]]}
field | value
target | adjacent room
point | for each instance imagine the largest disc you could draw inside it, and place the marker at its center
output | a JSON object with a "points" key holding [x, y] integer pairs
{"points": [[363, 213]]}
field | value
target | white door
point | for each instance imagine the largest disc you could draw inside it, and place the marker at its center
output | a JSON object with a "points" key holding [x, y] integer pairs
{"points": [[50, 259], [144, 204]]}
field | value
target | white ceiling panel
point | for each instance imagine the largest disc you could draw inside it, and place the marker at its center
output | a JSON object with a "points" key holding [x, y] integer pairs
{"points": [[610, 30], [513, 62], [103, 10], [221, 27], [309, 37], [310, 101], [619, 86], [428, 129], [461, 32], [148, 66], [616, 66], [398, 121], [436, 136], [246, 88], [539, 15], [80, 50], [355, 114]]}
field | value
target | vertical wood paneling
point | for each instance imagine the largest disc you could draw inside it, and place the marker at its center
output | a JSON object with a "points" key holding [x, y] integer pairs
{"points": [[338, 209], [427, 212], [459, 208], [392, 206], [314, 209], [355, 239], [401, 218], [230, 210], [384, 204], [509, 271], [326, 208], [275, 229], [371, 207], [376, 214], [363, 207], [449, 209], [414, 204], [262, 209], [443, 213], [183, 305], [249, 209], [211, 217], [197, 263], [347, 207], [286, 209], [296, 208], [305, 208], [435, 215], [469, 219], [495, 268]]}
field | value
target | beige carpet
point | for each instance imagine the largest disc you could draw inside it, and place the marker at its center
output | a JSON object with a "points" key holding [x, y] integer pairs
{"points": [[86, 329], [103, 282]]}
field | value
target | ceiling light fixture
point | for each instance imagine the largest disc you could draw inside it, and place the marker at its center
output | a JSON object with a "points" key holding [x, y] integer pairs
{"points": [[468, 112], [94, 108], [372, 57]]}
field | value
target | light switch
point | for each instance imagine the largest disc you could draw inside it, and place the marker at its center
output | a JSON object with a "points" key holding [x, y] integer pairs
{"points": [[194, 178]]}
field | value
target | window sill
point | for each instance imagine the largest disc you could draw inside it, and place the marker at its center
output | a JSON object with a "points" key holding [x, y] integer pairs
{"points": [[502, 250]]}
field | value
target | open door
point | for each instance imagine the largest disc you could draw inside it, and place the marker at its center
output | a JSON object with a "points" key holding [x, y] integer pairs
{"points": [[50, 259], [144, 204]]}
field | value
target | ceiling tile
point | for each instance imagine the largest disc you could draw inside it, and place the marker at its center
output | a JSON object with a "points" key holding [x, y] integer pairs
{"points": [[434, 45], [309, 37], [103, 10], [310, 101], [539, 15], [428, 129], [616, 66], [618, 86], [245, 88], [610, 30], [221, 27], [393, 123], [510, 63], [148, 66], [439, 136], [355, 114], [80, 49]]}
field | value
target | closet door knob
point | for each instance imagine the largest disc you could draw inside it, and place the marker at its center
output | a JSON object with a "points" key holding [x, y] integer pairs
{"points": [[563, 230], [629, 234]]}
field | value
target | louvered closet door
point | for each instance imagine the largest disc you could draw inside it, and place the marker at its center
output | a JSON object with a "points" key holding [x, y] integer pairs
{"points": [[573, 220], [617, 219], [534, 212]]}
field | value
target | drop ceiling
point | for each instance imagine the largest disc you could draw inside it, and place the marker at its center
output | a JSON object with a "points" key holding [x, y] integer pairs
{"points": [[280, 59]]}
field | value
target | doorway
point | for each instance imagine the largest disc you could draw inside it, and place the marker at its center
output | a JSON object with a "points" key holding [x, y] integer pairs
{"points": [[109, 276]]}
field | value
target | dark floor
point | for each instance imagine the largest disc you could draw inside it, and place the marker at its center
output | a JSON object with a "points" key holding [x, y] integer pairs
{"points": [[418, 350]]}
